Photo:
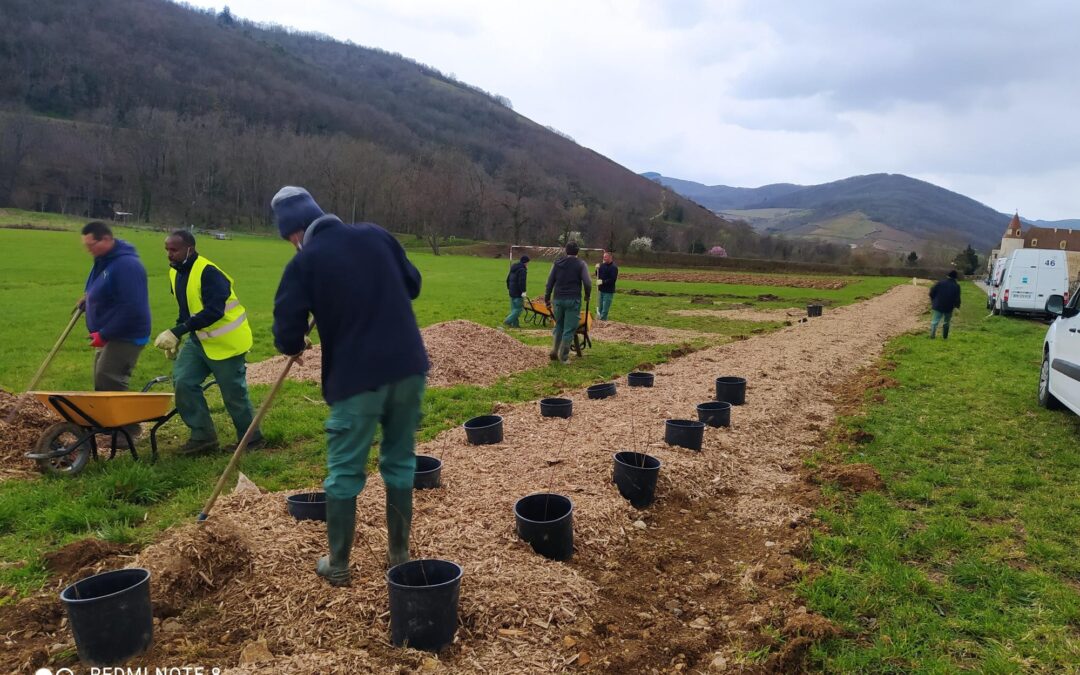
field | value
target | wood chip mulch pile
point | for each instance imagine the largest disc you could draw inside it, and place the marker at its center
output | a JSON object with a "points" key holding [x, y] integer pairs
{"points": [[516, 607], [824, 283], [21, 435], [461, 352]]}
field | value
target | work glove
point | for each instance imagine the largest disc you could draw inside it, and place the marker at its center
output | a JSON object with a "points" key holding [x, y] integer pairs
{"points": [[525, 295], [171, 353], [167, 340], [96, 341]]}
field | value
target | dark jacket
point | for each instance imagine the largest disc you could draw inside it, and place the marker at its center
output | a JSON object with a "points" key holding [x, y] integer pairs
{"points": [[608, 273], [515, 281], [357, 283], [945, 295], [215, 290], [117, 301], [568, 276]]}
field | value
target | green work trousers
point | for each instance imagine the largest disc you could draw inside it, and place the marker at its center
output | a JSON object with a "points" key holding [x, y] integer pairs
{"points": [[351, 428], [190, 370], [567, 316], [605, 304], [936, 318], [516, 305]]}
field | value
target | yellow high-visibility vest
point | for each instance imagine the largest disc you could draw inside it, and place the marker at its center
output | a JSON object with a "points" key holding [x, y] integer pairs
{"points": [[230, 335]]}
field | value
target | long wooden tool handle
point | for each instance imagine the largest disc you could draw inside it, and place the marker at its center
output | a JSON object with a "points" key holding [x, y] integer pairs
{"points": [[44, 366], [242, 445], [56, 347]]}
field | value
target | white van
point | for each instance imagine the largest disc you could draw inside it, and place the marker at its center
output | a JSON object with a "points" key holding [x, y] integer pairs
{"points": [[1031, 276], [1059, 380], [994, 281]]}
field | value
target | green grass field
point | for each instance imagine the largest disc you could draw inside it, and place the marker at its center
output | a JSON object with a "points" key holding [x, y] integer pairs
{"points": [[969, 559]]}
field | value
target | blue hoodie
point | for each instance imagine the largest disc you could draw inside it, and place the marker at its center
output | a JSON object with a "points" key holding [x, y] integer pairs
{"points": [[117, 301]]}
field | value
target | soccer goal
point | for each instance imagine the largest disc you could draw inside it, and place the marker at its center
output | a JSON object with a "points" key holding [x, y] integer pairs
{"points": [[593, 256]]}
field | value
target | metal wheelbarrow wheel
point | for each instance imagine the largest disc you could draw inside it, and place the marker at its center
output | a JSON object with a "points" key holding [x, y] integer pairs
{"points": [[61, 436]]}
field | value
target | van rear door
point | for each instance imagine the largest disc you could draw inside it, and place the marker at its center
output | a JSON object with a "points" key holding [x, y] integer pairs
{"points": [[1022, 282]]}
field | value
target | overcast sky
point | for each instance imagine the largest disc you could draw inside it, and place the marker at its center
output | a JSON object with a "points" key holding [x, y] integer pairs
{"points": [[981, 97]]}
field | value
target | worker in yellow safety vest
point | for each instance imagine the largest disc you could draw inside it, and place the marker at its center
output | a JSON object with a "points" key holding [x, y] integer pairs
{"points": [[220, 337]]}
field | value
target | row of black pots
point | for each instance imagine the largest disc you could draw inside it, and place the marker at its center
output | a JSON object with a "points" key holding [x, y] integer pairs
{"points": [[111, 616]]}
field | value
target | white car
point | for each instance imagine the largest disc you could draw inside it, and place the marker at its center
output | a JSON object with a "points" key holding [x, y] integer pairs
{"points": [[1059, 381]]}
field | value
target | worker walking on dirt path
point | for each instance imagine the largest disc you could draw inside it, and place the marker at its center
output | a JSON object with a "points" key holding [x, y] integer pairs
{"points": [[569, 275], [515, 284], [219, 340], [607, 273], [117, 305], [944, 298], [358, 284]]}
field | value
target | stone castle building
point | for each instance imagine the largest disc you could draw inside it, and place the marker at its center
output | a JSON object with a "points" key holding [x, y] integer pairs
{"points": [[1058, 238]]}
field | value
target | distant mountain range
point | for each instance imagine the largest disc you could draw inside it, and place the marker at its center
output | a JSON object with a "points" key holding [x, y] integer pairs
{"points": [[889, 212]]}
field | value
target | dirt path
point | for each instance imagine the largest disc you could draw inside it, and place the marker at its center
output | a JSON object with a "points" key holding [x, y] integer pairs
{"points": [[694, 586]]}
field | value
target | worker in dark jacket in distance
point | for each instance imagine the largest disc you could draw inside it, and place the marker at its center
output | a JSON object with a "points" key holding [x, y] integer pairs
{"points": [[210, 313], [607, 273], [358, 284], [944, 298], [515, 284], [117, 305], [569, 275]]}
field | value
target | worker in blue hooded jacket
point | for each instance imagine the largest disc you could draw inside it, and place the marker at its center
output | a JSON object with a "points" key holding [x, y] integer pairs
{"points": [[357, 283], [117, 306]]}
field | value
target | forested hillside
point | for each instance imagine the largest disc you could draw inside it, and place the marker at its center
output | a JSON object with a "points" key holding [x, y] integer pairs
{"points": [[184, 116]]}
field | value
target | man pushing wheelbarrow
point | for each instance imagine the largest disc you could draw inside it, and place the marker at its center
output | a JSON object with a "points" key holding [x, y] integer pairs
{"points": [[567, 278]]}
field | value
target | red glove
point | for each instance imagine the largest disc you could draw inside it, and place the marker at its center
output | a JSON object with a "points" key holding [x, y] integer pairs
{"points": [[96, 341]]}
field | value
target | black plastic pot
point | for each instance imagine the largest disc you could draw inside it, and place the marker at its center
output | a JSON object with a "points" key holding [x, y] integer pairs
{"points": [[424, 603], [715, 413], [546, 522], [635, 476], [602, 390], [556, 407], [307, 506], [428, 472], [731, 390], [110, 616], [640, 379], [484, 430], [813, 310], [684, 433]]}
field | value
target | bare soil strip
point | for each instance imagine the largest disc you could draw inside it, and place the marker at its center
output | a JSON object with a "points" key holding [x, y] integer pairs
{"points": [[791, 314], [737, 278], [685, 584], [615, 331]]}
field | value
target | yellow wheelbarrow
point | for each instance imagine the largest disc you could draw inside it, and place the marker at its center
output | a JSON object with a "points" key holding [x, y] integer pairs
{"points": [[538, 313], [66, 447]]}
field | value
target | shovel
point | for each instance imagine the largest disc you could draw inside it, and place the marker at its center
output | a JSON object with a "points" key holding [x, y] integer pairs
{"points": [[242, 445], [45, 364]]}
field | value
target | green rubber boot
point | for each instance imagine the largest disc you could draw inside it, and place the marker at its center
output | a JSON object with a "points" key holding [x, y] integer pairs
{"points": [[554, 353], [564, 353], [398, 524], [340, 529]]}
